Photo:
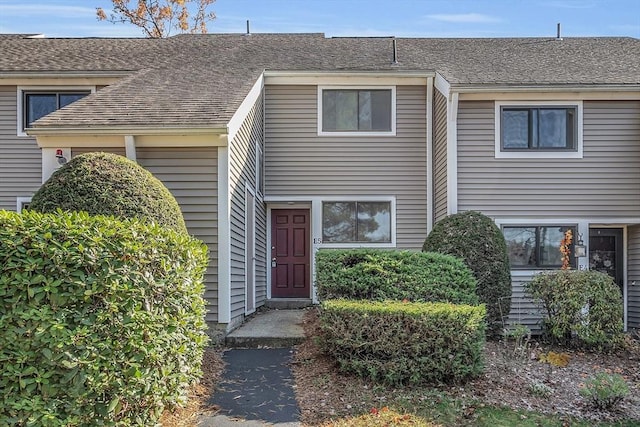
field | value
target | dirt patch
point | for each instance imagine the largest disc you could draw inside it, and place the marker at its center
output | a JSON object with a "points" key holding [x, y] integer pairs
{"points": [[212, 368], [508, 380]]}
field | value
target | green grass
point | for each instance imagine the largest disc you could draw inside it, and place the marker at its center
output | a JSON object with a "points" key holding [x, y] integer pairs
{"points": [[442, 409]]}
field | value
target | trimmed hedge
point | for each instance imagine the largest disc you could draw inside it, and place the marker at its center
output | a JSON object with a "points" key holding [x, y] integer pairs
{"points": [[395, 342], [564, 294], [101, 320], [109, 184], [477, 240], [371, 274]]}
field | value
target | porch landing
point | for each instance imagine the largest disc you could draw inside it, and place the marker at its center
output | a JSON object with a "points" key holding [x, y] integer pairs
{"points": [[271, 328]]}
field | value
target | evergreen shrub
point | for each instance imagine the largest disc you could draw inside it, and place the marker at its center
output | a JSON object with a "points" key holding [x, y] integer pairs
{"points": [[396, 342], [109, 184], [475, 238], [101, 319], [373, 274]]}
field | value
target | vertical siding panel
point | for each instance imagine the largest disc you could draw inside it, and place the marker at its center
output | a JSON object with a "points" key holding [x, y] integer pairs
{"points": [[301, 163], [21, 160], [633, 278], [191, 176], [242, 159], [439, 156], [605, 183]]}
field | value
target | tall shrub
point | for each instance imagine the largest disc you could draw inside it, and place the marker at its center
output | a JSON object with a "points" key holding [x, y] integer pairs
{"points": [[475, 238], [108, 184], [584, 306], [373, 274], [101, 320]]}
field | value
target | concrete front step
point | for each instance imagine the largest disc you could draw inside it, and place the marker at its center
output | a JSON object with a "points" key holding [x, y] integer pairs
{"points": [[288, 303], [271, 328]]}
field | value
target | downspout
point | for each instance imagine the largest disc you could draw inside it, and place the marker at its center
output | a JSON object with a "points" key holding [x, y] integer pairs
{"points": [[452, 153], [130, 147], [429, 166]]}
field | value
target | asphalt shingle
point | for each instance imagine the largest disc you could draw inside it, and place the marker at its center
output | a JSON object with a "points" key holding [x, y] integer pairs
{"points": [[200, 80]]}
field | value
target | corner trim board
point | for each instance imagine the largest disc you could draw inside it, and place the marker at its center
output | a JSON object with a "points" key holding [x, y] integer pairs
{"points": [[224, 237]]}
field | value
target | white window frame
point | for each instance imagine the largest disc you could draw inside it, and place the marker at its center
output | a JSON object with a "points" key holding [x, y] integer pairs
{"points": [[539, 154], [20, 130], [21, 202], [392, 132], [320, 231]]}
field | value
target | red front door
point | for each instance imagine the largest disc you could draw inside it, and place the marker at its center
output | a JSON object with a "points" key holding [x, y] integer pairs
{"points": [[290, 266]]}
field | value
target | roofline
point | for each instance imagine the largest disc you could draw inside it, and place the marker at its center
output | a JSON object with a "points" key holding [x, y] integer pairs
{"points": [[66, 74], [342, 73], [128, 130], [595, 87]]}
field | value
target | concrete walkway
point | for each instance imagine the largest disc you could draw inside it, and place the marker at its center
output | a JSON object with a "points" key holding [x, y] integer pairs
{"points": [[257, 387], [271, 328]]}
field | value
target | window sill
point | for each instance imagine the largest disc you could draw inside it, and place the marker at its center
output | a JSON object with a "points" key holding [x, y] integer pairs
{"points": [[539, 154], [357, 134]]}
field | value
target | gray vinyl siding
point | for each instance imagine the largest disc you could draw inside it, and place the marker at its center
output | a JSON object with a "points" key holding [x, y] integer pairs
{"points": [[20, 158], [242, 169], [633, 278], [76, 151], [604, 184], [301, 163], [191, 176], [523, 310], [439, 156]]}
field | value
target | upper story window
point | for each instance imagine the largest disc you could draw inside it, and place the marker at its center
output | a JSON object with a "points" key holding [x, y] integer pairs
{"points": [[346, 111], [36, 103], [536, 246], [538, 130]]}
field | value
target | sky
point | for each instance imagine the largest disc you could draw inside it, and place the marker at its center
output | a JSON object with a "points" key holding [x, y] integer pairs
{"points": [[400, 18]]}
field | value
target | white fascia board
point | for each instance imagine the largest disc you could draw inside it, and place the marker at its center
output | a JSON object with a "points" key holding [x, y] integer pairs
{"points": [[127, 130], [245, 108], [488, 88], [347, 78], [442, 85]]}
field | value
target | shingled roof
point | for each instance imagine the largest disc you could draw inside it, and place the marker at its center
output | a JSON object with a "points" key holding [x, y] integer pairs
{"points": [[200, 80]]}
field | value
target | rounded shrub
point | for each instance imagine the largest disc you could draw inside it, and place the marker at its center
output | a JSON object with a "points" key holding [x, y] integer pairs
{"points": [[372, 274], [475, 238], [102, 319], [581, 306], [109, 184]]}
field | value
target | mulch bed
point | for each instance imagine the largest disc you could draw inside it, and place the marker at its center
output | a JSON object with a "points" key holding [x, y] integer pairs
{"points": [[323, 393]]}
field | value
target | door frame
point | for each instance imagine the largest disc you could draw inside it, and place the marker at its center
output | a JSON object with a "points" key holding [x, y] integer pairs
{"points": [[624, 260], [290, 205], [249, 258]]}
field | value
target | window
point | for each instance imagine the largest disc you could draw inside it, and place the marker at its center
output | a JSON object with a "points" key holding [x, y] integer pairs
{"points": [[534, 247], [542, 129], [345, 111], [550, 128], [36, 103], [356, 222]]}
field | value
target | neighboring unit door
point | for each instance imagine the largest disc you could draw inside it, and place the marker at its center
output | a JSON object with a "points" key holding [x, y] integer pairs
{"points": [[290, 261], [606, 253]]}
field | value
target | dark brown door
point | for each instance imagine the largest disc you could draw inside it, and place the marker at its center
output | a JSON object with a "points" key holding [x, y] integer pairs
{"points": [[290, 274], [606, 251]]}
